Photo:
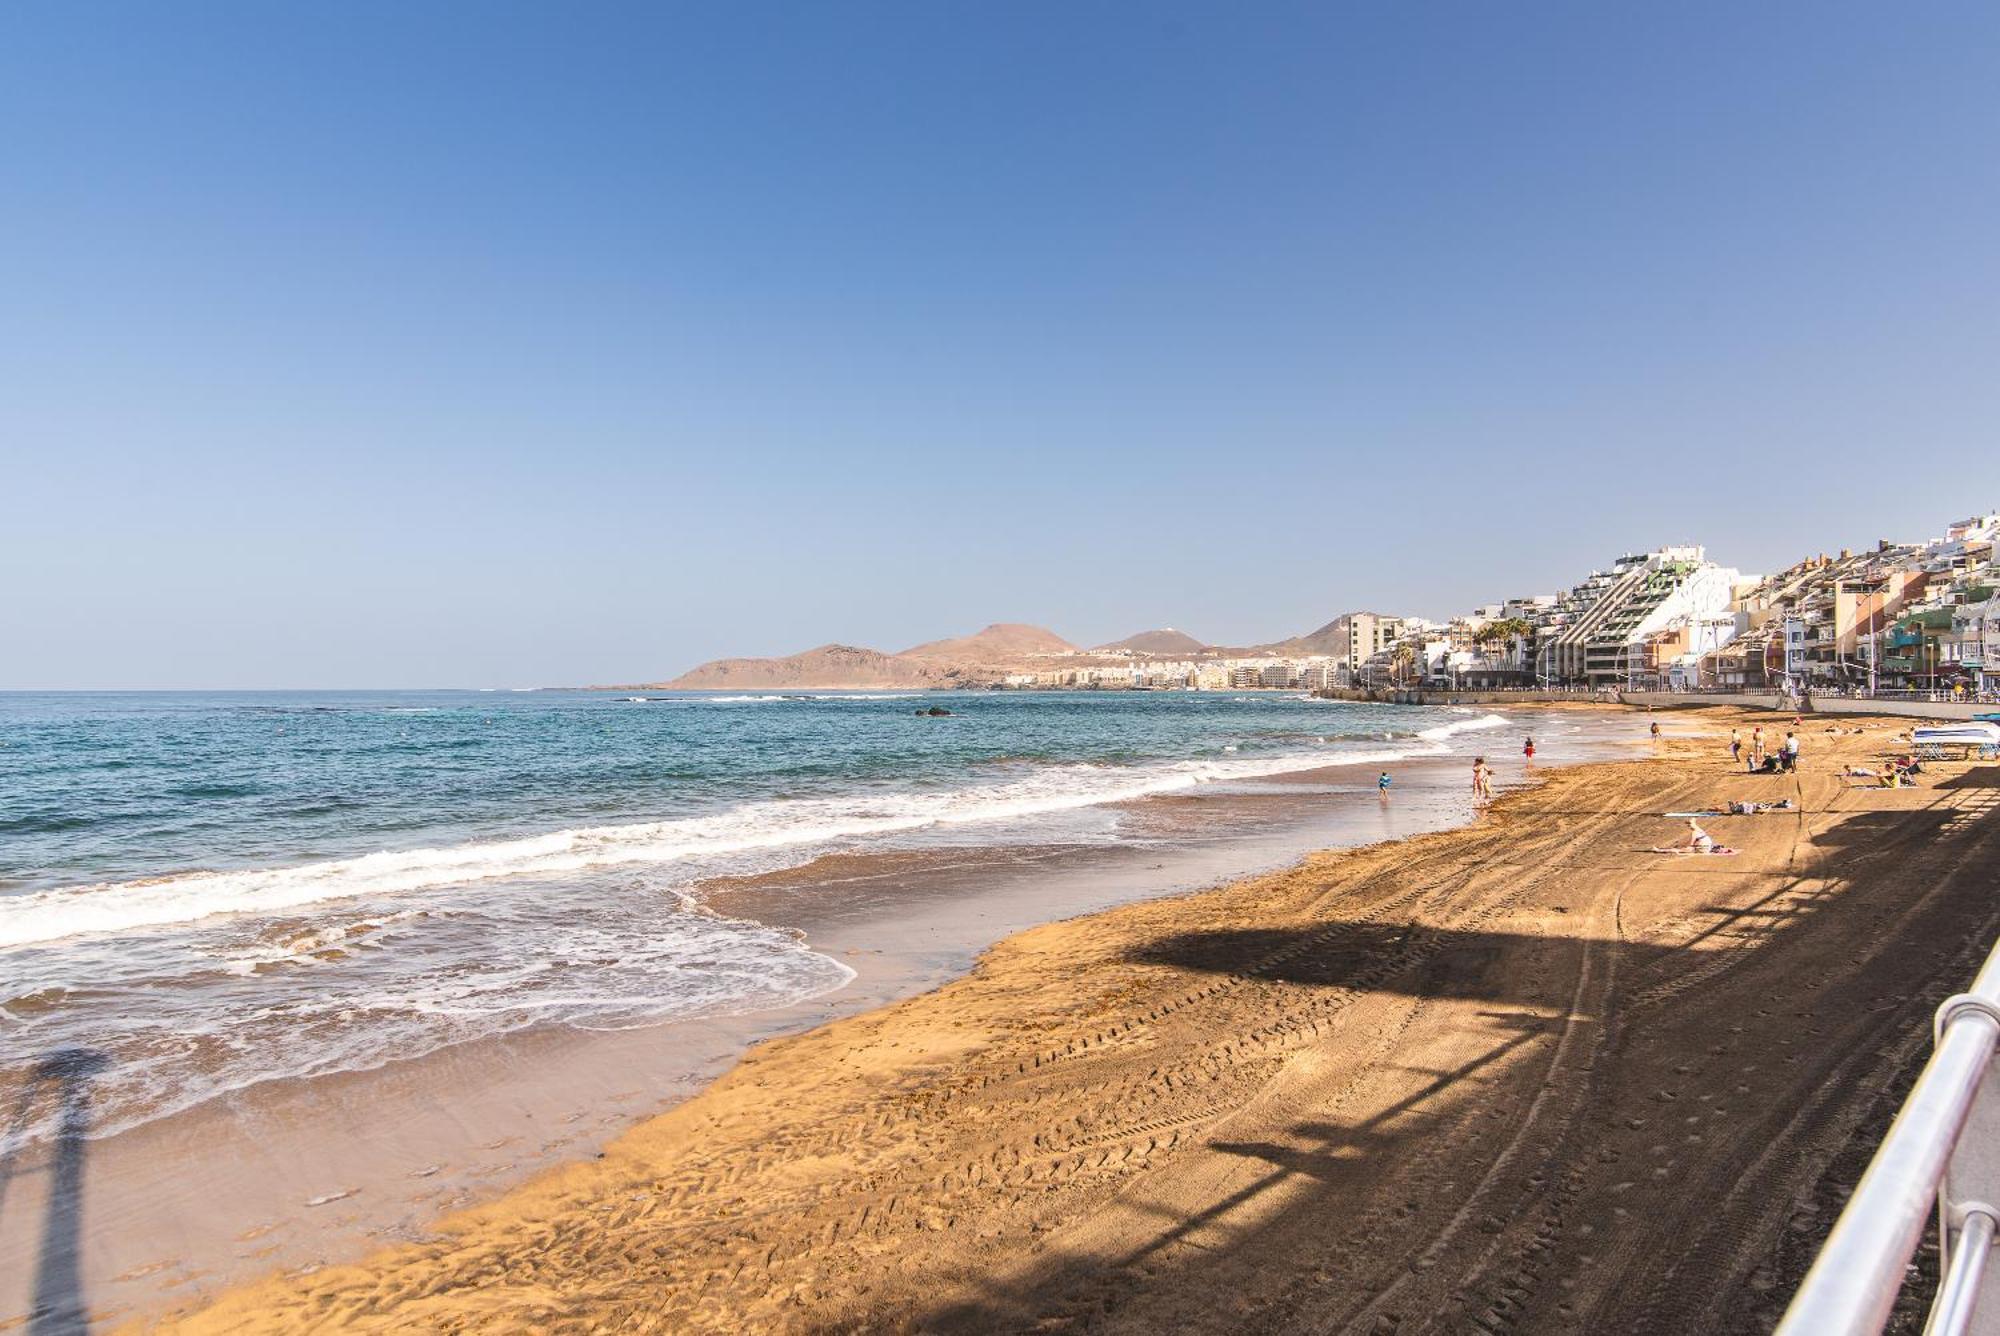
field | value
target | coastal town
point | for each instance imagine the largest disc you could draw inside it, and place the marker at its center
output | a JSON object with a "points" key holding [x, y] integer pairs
{"points": [[1919, 616]]}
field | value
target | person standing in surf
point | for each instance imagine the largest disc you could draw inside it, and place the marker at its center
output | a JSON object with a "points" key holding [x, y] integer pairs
{"points": [[1528, 751]]}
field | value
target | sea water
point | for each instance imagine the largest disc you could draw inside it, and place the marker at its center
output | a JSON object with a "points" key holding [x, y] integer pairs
{"points": [[213, 890]]}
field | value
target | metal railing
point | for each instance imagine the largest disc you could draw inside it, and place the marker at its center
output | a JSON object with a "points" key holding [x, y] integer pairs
{"points": [[1943, 1149]]}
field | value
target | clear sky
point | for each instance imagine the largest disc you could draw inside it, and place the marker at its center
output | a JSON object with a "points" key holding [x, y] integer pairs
{"points": [[444, 344]]}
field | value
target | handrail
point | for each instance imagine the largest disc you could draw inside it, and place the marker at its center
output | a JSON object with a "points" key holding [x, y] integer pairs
{"points": [[1952, 1313], [1853, 1284]]}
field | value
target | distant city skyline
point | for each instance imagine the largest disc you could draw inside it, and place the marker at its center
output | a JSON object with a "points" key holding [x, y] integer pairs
{"points": [[373, 346]]}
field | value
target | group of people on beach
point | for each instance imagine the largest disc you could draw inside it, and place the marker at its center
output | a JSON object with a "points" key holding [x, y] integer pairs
{"points": [[1784, 760], [1900, 772], [1482, 775], [1757, 759], [1482, 779]]}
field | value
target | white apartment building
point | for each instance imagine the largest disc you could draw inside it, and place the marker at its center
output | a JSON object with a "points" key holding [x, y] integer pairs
{"points": [[1626, 622]]}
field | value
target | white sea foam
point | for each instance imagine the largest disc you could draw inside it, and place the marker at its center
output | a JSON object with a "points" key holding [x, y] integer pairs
{"points": [[360, 992], [704, 843], [1443, 731]]}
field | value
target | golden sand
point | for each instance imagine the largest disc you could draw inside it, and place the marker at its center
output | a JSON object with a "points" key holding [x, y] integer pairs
{"points": [[1525, 1075]]}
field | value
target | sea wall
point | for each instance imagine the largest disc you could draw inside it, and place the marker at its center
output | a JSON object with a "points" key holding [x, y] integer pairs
{"points": [[1417, 696], [1766, 700], [1672, 700]]}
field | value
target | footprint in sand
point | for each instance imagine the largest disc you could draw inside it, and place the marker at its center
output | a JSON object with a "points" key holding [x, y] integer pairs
{"points": [[341, 1195]]}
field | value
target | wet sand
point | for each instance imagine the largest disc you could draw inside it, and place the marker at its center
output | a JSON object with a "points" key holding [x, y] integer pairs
{"points": [[1525, 1075], [289, 1177]]}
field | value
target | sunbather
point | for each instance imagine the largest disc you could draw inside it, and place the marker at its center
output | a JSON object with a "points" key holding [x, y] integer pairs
{"points": [[1758, 809], [1698, 841]]}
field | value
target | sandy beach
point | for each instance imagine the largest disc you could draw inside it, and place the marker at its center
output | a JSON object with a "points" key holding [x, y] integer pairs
{"points": [[291, 1176], [1524, 1075]]}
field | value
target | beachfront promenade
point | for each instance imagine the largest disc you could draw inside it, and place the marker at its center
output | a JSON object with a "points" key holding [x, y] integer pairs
{"points": [[1911, 705]]}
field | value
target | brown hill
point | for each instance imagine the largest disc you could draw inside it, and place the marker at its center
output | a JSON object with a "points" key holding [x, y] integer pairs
{"points": [[1164, 641], [1312, 642], [1001, 642], [967, 660], [828, 667]]}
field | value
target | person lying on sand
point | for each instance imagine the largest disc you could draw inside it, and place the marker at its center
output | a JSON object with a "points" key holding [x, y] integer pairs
{"points": [[1758, 809], [1698, 841], [1740, 809]]}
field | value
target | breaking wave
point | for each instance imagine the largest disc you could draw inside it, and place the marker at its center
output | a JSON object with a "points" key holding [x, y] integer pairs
{"points": [[703, 842]]}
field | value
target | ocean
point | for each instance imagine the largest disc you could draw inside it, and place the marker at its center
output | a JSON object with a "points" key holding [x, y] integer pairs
{"points": [[214, 889]]}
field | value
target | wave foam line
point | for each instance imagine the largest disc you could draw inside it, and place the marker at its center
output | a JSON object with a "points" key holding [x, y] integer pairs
{"points": [[1443, 731], [114, 907]]}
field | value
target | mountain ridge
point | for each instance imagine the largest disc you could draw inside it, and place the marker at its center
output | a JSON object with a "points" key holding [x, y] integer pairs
{"points": [[982, 658], [1166, 640], [1001, 639]]}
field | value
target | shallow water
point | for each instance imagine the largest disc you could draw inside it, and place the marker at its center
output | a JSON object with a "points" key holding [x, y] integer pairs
{"points": [[215, 890]]}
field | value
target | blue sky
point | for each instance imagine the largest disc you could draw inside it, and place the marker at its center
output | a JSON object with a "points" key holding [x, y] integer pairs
{"points": [[358, 345]]}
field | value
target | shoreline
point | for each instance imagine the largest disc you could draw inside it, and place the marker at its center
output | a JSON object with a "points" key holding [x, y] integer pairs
{"points": [[322, 1170]]}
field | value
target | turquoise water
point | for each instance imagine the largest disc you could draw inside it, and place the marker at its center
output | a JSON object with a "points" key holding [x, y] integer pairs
{"points": [[217, 889]]}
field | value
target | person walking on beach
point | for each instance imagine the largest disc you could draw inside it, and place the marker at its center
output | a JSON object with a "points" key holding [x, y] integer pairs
{"points": [[1528, 751], [1656, 730], [1735, 746], [1382, 786], [1791, 751], [1482, 779], [1756, 746]]}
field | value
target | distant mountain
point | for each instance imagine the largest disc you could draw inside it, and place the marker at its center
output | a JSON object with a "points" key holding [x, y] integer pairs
{"points": [[967, 661], [1312, 642], [830, 667], [1164, 641], [998, 643]]}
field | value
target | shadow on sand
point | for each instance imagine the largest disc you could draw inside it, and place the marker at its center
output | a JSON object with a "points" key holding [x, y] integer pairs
{"points": [[58, 1083], [1317, 1179]]}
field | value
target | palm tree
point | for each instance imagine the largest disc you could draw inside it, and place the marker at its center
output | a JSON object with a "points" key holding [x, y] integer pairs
{"points": [[1400, 660], [1504, 629]]}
